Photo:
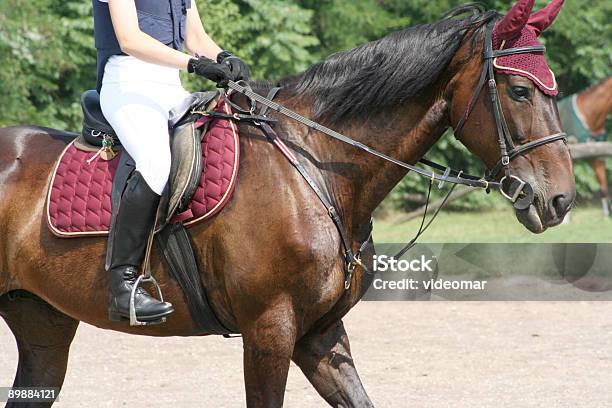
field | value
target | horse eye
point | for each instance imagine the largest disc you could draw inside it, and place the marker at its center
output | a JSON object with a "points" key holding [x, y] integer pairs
{"points": [[520, 92]]}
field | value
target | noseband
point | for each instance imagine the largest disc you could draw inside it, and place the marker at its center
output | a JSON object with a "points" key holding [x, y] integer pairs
{"points": [[517, 191]]}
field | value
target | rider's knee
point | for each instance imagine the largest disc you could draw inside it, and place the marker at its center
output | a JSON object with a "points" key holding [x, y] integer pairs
{"points": [[156, 171]]}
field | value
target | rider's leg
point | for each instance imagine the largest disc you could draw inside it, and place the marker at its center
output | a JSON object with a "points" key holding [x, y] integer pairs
{"points": [[141, 124], [133, 226]]}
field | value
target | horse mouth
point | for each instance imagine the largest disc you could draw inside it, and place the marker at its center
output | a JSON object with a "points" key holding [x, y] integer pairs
{"points": [[532, 220]]}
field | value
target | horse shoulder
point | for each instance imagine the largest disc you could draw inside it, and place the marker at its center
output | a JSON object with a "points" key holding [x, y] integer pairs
{"points": [[278, 244]]}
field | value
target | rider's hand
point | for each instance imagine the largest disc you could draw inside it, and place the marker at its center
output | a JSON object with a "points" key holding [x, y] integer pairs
{"points": [[238, 68], [209, 69]]}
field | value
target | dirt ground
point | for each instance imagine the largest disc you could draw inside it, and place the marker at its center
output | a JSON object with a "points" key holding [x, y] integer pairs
{"points": [[409, 354]]}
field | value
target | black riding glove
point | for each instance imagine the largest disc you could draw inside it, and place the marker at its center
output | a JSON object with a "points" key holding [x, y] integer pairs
{"points": [[239, 68], [209, 69]]}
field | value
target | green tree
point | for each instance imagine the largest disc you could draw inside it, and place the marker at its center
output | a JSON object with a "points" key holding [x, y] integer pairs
{"points": [[273, 36], [47, 58], [344, 24]]}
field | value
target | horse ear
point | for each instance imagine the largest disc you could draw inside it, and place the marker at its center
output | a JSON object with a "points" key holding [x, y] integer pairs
{"points": [[542, 19], [512, 24]]}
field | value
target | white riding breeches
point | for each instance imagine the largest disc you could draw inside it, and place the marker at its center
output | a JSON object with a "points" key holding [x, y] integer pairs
{"points": [[136, 98]]}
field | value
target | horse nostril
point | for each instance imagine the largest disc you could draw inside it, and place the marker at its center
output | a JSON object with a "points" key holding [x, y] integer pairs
{"points": [[561, 204]]}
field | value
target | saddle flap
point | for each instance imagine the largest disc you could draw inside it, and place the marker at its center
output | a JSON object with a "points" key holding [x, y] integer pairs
{"points": [[186, 167]]}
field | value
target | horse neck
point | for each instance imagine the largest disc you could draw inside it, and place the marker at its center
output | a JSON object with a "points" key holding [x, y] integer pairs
{"points": [[595, 104], [358, 181]]}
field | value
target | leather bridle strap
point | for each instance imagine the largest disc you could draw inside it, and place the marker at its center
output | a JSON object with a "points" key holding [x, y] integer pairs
{"points": [[518, 50], [525, 148], [475, 96], [489, 55], [519, 192]]}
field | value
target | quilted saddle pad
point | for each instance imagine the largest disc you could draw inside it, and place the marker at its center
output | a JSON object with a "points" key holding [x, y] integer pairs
{"points": [[79, 197]]}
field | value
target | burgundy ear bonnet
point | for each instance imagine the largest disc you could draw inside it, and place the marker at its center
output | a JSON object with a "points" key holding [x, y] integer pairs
{"points": [[520, 28]]}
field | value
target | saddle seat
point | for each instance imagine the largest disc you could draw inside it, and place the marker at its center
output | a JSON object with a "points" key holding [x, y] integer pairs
{"points": [[92, 170]]}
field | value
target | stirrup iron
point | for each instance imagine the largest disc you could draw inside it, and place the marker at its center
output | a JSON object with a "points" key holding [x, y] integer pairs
{"points": [[133, 318], [146, 277]]}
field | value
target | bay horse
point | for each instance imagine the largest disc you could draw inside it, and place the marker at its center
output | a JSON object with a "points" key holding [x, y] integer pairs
{"points": [[271, 261], [592, 108]]}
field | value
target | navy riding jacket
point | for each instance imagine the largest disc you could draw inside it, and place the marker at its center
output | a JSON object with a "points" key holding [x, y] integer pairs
{"points": [[164, 20]]}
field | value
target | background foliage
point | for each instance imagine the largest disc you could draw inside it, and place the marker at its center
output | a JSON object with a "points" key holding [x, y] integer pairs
{"points": [[47, 56]]}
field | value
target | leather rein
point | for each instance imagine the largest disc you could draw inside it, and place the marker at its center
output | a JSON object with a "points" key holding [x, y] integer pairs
{"points": [[517, 191]]}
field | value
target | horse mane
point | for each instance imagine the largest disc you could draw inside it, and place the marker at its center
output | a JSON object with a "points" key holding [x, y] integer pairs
{"points": [[383, 74]]}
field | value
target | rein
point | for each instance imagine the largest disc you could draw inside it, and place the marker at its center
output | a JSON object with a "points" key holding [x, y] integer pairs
{"points": [[517, 191], [453, 176]]}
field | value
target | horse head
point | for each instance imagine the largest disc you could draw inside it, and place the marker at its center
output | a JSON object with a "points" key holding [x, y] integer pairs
{"points": [[526, 89]]}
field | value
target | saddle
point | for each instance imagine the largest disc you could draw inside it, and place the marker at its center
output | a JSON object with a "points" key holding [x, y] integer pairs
{"points": [[93, 170], [185, 143]]}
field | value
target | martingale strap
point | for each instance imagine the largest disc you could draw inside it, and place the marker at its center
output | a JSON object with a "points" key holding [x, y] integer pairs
{"points": [[262, 121], [351, 259], [237, 117]]}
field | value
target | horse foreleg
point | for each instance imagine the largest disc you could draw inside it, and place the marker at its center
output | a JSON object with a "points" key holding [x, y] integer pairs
{"points": [[325, 358], [268, 346], [599, 167], [43, 337]]}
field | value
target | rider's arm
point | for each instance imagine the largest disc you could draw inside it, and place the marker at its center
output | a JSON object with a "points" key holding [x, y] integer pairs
{"points": [[138, 44], [197, 41]]}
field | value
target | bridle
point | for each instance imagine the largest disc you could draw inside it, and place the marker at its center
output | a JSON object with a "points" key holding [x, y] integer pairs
{"points": [[519, 192]]}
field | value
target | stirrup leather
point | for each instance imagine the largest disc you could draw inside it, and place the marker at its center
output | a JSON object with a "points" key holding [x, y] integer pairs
{"points": [[146, 277]]}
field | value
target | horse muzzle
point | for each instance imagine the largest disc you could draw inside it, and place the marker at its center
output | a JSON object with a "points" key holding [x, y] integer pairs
{"points": [[538, 212]]}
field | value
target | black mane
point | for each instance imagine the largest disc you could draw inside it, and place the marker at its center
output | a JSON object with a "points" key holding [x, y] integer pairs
{"points": [[382, 74]]}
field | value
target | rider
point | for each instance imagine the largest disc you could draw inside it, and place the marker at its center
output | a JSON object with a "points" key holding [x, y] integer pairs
{"points": [[140, 52]]}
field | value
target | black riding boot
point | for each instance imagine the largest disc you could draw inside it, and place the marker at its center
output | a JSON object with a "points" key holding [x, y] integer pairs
{"points": [[131, 230]]}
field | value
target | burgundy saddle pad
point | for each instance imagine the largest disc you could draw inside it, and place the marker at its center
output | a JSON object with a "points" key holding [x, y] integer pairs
{"points": [[79, 197]]}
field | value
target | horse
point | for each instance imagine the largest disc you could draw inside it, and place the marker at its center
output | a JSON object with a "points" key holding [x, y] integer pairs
{"points": [[272, 259], [584, 116]]}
